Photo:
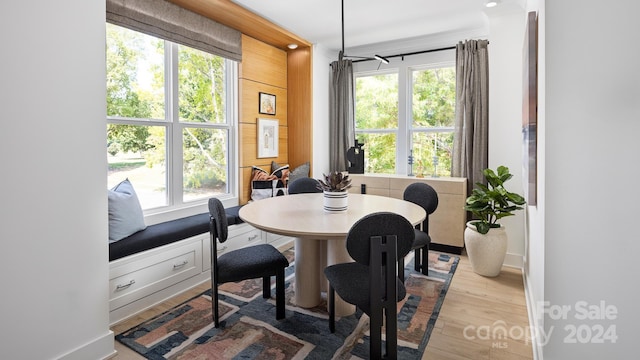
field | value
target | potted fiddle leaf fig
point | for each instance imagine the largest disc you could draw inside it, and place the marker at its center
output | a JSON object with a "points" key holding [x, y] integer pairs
{"points": [[335, 186], [485, 238]]}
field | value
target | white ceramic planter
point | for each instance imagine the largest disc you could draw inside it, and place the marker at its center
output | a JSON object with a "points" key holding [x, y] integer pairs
{"points": [[335, 202], [486, 251]]}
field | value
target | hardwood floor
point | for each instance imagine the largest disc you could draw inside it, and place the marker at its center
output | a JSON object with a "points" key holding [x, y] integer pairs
{"points": [[476, 311]]}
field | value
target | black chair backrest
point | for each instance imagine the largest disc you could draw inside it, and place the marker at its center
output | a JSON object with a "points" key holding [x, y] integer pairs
{"points": [[379, 224], [424, 196], [303, 185], [218, 220]]}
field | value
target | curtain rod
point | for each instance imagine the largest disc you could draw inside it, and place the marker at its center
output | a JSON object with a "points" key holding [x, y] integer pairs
{"points": [[411, 53]]}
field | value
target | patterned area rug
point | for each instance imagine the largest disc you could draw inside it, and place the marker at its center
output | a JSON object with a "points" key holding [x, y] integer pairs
{"points": [[249, 330]]}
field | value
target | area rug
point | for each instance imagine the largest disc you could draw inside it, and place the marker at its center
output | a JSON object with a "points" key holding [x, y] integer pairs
{"points": [[249, 329]]}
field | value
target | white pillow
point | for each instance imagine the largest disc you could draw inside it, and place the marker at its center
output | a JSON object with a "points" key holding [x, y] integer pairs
{"points": [[125, 212]]}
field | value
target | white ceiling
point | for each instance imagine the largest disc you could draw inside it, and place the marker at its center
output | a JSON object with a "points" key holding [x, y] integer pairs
{"points": [[368, 22]]}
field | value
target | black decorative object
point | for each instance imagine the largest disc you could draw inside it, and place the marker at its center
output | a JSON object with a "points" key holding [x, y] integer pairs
{"points": [[355, 156]]}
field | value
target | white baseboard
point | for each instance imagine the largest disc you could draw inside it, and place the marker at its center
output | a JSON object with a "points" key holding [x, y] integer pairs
{"points": [[517, 261], [536, 345], [513, 260], [100, 348]]}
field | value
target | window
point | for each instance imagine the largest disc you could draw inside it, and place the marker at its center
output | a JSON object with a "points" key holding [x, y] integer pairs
{"points": [[407, 111], [170, 119]]}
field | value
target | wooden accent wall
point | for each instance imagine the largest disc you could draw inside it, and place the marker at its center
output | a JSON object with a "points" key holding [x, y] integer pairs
{"points": [[300, 107], [263, 69]]}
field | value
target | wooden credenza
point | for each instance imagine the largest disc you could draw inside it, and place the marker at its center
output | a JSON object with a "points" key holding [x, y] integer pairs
{"points": [[446, 224]]}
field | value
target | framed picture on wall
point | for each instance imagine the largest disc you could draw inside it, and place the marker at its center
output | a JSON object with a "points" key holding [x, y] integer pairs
{"points": [[267, 138], [267, 104]]}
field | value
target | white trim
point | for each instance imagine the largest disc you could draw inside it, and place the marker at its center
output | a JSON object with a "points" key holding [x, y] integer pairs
{"points": [[100, 348], [536, 346], [175, 207], [404, 69], [514, 260]]}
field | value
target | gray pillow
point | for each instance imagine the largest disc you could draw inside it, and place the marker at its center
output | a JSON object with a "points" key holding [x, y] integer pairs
{"points": [[125, 212], [299, 172]]}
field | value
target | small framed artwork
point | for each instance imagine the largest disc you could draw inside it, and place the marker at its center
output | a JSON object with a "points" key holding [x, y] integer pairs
{"points": [[267, 138], [267, 104]]}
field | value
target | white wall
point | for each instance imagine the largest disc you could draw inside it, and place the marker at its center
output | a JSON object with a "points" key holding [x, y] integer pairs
{"points": [[506, 38], [53, 227], [321, 80], [591, 120]]}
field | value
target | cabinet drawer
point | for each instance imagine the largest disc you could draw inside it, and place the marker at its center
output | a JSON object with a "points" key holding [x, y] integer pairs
{"points": [[135, 280], [279, 240]]}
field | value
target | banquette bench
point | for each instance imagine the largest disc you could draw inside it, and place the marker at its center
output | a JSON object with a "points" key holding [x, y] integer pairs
{"points": [[166, 233], [167, 258]]}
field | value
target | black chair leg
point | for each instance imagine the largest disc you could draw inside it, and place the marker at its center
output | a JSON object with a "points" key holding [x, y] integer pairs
{"points": [[214, 304], [425, 260], [280, 300], [375, 334], [401, 269], [266, 287], [391, 341], [332, 309], [417, 259]]}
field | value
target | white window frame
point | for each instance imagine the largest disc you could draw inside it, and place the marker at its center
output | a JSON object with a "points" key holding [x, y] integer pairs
{"points": [[176, 207], [404, 68]]}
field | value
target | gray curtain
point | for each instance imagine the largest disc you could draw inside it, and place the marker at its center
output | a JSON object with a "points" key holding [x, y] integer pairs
{"points": [[341, 113], [471, 137], [168, 21]]}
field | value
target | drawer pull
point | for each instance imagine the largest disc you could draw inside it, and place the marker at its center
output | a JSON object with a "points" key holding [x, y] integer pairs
{"points": [[253, 237], [178, 266], [121, 287]]}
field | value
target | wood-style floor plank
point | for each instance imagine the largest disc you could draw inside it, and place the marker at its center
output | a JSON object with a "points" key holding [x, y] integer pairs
{"points": [[474, 311]]}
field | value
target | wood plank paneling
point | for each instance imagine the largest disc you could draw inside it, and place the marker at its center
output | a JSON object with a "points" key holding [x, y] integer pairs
{"points": [[263, 63], [263, 69], [249, 91], [300, 107]]}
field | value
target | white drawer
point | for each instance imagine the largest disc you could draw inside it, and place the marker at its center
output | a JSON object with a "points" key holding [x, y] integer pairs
{"points": [[278, 240], [271, 237], [134, 280], [241, 235]]}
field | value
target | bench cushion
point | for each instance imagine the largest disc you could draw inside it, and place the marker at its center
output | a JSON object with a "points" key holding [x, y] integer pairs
{"points": [[166, 233]]}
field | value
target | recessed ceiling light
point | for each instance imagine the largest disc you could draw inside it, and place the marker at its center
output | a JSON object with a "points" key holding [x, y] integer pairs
{"points": [[292, 46], [491, 3]]}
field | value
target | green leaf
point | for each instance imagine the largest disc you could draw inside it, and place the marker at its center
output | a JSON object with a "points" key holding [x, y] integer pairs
{"points": [[482, 227], [493, 201]]}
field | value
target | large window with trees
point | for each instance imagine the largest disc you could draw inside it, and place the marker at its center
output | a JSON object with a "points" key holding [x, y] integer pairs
{"points": [[407, 111], [170, 119]]}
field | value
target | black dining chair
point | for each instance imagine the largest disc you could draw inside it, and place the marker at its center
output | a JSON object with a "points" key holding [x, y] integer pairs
{"points": [[426, 197], [303, 185], [257, 261], [375, 242]]}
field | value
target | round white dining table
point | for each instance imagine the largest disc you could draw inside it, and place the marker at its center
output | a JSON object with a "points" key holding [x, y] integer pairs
{"points": [[320, 237]]}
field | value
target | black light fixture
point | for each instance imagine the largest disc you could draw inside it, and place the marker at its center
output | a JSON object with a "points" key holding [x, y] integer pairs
{"points": [[343, 55]]}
